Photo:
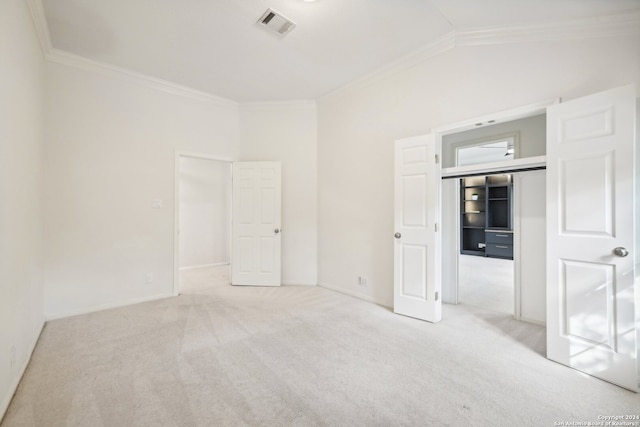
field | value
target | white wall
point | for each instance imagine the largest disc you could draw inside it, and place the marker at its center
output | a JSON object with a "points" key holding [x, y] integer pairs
{"points": [[21, 140], [530, 198], [205, 208], [449, 241], [357, 128], [110, 152], [287, 132]]}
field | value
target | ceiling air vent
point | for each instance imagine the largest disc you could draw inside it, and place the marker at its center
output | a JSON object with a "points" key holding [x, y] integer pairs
{"points": [[276, 23]]}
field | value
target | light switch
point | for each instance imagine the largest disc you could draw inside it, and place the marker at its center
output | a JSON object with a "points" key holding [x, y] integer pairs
{"points": [[156, 203]]}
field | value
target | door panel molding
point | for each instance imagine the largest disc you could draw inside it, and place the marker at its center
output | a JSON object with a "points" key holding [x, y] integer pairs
{"points": [[255, 243], [417, 262]]}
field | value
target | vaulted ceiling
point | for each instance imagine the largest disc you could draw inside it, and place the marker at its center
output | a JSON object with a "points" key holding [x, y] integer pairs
{"points": [[215, 46]]}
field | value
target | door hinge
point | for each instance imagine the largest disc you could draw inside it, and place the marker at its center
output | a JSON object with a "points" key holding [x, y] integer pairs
{"points": [[437, 295], [436, 227], [437, 159]]}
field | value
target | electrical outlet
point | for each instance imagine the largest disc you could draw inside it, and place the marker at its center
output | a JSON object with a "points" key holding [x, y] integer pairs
{"points": [[12, 361], [157, 203], [149, 277], [363, 280]]}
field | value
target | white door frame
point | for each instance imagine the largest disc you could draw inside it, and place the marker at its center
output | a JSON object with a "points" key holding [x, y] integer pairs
{"points": [[489, 119], [176, 206]]}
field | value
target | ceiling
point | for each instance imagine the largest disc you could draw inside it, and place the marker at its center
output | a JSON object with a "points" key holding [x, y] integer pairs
{"points": [[216, 47]]}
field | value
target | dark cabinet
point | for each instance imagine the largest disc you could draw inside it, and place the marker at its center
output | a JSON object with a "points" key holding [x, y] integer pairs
{"points": [[473, 204], [486, 216], [499, 244]]}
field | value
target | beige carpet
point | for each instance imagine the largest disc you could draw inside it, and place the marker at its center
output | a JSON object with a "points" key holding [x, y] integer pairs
{"points": [[304, 356], [486, 282]]}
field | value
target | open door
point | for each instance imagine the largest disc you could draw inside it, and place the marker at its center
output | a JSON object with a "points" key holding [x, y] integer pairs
{"points": [[416, 250], [256, 231], [590, 236]]}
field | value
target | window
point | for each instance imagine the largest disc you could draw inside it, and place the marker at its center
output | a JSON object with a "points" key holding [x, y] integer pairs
{"points": [[494, 149]]}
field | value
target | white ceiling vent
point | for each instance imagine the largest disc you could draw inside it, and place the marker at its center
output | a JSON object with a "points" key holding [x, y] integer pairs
{"points": [[276, 23]]}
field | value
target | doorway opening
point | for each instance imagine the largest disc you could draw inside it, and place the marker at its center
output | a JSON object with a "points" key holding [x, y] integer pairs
{"points": [[493, 215], [485, 259], [202, 221], [568, 237]]}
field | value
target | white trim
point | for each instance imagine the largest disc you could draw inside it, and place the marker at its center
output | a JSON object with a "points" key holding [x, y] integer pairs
{"points": [[195, 267], [355, 294], [40, 22], [176, 208], [265, 106], [496, 167], [101, 307], [436, 47], [4, 405], [297, 283], [627, 24], [72, 60], [195, 155], [176, 224], [66, 58]]}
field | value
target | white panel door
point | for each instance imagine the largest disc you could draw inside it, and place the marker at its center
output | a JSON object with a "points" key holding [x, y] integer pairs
{"points": [[416, 250], [256, 231], [590, 236]]}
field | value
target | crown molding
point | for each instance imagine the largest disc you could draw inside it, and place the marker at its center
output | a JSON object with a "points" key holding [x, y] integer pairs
{"points": [[440, 45], [72, 60], [39, 18], [302, 104], [69, 59], [620, 25]]}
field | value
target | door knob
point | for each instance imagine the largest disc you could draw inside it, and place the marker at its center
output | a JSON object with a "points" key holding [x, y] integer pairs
{"points": [[621, 252], [397, 235], [277, 230]]}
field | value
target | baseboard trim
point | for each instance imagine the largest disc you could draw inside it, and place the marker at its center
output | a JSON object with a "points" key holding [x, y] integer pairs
{"points": [[367, 298], [102, 307], [297, 283], [193, 267], [533, 321], [4, 406]]}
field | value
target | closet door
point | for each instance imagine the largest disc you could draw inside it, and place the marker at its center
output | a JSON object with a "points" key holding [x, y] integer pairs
{"points": [[591, 323], [417, 266]]}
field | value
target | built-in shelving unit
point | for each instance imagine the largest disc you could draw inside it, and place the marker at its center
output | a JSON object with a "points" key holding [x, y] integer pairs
{"points": [[486, 216], [473, 205]]}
